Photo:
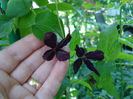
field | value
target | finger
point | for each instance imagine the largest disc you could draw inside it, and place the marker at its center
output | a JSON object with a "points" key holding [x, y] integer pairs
{"points": [[6, 82], [41, 74], [28, 66], [11, 56], [52, 84], [44, 70], [19, 92]]}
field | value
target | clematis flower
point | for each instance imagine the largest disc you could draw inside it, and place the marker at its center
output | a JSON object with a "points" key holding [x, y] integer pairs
{"points": [[84, 57], [50, 40]]}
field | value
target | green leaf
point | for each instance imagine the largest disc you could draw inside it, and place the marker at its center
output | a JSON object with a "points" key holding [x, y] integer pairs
{"points": [[126, 42], [88, 5], [105, 80], [92, 34], [41, 2], [74, 41], [124, 1], [82, 83], [61, 6], [27, 20], [6, 25], [4, 42], [18, 7], [47, 22], [109, 42], [125, 56], [130, 86], [99, 5], [25, 31]]}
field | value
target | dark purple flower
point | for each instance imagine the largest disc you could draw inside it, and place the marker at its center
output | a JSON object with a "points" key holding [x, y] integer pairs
{"points": [[84, 57], [50, 40]]}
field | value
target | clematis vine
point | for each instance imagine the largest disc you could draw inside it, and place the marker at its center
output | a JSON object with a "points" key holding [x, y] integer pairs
{"points": [[50, 39], [84, 57]]}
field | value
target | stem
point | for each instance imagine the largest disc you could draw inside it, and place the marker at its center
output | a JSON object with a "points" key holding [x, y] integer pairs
{"points": [[62, 33], [120, 21]]}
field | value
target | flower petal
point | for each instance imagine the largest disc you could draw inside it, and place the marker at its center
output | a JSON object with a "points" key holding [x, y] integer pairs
{"points": [[62, 55], [95, 55], [50, 39], [64, 41], [48, 55], [79, 51], [90, 66], [77, 65]]}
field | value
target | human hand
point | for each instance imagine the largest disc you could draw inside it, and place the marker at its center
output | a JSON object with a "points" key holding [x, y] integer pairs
{"points": [[22, 61]]}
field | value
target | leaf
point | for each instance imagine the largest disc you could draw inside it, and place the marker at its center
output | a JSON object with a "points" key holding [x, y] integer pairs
{"points": [[105, 80], [74, 41], [125, 56], [82, 83], [25, 31], [88, 5], [47, 22], [124, 1], [109, 43], [126, 42], [61, 6], [130, 86], [92, 34], [99, 5], [6, 25], [41, 2], [4, 42], [27, 20], [18, 7]]}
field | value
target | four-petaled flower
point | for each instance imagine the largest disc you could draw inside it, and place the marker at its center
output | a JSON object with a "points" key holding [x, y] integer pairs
{"points": [[50, 40], [82, 56]]}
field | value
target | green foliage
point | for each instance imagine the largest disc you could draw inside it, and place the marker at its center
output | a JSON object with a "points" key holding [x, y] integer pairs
{"points": [[27, 20], [6, 25], [126, 42], [61, 6], [74, 41], [87, 5], [41, 2], [47, 22], [105, 80], [82, 83], [16, 8], [109, 43], [63, 87], [124, 1], [4, 42], [125, 56]]}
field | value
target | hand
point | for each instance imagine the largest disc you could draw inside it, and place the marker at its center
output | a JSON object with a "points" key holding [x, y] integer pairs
{"points": [[22, 61]]}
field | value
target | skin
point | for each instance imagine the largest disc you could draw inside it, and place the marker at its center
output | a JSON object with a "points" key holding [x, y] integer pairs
{"points": [[23, 60]]}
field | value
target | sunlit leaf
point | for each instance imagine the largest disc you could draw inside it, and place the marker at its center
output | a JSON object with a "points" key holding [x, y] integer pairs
{"points": [[47, 22], [61, 6], [74, 41], [109, 42], [126, 42], [82, 83], [125, 56]]}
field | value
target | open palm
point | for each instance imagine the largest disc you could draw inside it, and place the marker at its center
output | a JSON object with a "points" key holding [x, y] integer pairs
{"points": [[22, 61]]}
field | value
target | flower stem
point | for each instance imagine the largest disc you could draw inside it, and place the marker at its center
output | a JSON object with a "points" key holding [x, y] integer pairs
{"points": [[62, 33]]}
